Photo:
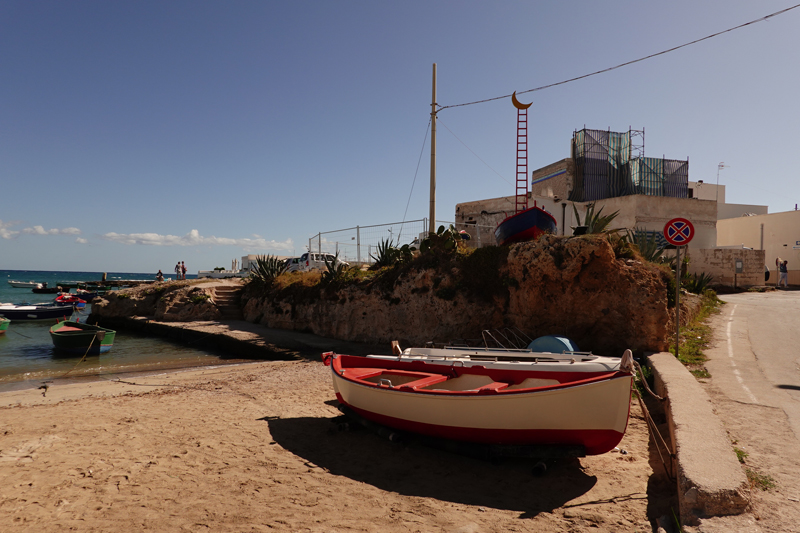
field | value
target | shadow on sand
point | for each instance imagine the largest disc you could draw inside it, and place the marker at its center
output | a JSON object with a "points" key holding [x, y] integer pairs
{"points": [[412, 469]]}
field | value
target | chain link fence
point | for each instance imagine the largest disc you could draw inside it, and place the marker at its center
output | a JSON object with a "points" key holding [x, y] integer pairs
{"points": [[357, 245]]}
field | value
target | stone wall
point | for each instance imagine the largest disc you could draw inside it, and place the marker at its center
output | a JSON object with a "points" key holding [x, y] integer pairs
{"points": [[566, 286], [721, 264]]}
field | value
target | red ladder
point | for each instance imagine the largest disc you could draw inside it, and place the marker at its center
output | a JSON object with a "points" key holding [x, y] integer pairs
{"points": [[522, 160]]}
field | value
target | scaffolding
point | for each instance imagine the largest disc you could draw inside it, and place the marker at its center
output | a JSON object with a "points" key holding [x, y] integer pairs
{"points": [[610, 164]]}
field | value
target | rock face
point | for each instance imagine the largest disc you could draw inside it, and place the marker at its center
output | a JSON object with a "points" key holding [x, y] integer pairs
{"points": [[167, 302], [574, 287]]}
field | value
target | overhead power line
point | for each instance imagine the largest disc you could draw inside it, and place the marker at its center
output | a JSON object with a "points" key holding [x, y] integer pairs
{"points": [[781, 12]]}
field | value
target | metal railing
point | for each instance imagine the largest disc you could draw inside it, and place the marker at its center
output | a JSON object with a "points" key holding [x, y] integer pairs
{"points": [[358, 245]]}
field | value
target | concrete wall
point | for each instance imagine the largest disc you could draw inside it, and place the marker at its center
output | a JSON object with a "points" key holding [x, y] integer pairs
{"points": [[721, 264], [777, 234]]}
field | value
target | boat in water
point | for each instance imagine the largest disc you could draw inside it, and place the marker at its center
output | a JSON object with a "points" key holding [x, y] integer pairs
{"points": [[487, 405], [524, 226], [25, 312], [80, 338], [23, 284], [4, 322]]}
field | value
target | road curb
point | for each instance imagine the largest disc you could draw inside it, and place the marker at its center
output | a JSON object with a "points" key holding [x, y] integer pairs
{"points": [[710, 481]]}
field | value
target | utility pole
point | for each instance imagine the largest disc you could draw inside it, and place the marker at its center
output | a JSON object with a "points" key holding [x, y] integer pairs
{"points": [[432, 220]]}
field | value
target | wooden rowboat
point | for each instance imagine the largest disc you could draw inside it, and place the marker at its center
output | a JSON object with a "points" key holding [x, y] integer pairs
{"points": [[486, 405], [80, 338]]}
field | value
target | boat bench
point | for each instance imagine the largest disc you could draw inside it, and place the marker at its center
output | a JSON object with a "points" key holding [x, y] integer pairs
{"points": [[424, 382], [69, 328], [495, 386]]}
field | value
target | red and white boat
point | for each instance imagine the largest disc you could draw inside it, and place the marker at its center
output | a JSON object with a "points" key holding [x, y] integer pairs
{"points": [[485, 404]]}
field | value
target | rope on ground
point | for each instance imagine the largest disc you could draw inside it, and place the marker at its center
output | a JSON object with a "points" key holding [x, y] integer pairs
{"points": [[45, 385], [652, 428]]}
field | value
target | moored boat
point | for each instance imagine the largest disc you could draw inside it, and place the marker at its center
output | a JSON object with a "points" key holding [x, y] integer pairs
{"points": [[4, 322], [81, 338], [23, 284], [485, 405], [35, 311]]}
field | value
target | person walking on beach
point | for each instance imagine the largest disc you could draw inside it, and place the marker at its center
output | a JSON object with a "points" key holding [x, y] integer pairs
{"points": [[783, 277], [183, 270], [178, 271]]}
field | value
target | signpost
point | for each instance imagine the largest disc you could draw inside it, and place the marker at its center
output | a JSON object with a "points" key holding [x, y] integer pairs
{"points": [[678, 232]]}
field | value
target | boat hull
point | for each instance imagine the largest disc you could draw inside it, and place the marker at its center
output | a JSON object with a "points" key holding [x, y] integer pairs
{"points": [[78, 338], [23, 284], [562, 411], [4, 322], [35, 312], [524, 226]]}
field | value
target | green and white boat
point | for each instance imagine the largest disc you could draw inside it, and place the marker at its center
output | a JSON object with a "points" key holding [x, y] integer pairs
{"points": [[80, 338], [4, 322]]}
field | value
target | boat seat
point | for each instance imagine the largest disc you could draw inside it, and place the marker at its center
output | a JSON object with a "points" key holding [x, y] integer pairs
{"points": [[362, 373], [69, 328], [495, 386], [423, 382]]}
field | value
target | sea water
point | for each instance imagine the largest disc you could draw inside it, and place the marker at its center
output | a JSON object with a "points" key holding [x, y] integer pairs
{"points": [[27, 356]]}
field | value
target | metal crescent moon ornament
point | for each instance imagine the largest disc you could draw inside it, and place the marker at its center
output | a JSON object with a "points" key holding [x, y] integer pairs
{"points": [[517, 103]]}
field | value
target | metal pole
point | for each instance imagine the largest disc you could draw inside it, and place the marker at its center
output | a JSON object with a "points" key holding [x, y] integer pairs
{"points": [[358, 244], [433, 155], [677, 298]]}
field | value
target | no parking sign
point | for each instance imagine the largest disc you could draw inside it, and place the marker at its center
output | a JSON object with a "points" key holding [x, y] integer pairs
{"points": [[679, 232]]}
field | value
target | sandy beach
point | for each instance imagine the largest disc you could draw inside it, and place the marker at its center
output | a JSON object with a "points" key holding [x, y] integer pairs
{"points": [[255, 447]]}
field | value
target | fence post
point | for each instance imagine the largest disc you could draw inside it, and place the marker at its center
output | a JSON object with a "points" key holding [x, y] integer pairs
{"points": [[358, 244]]}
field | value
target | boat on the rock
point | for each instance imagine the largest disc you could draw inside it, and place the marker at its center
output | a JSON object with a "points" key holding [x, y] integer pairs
{"points": [[524, 226], [80, 338], [487, 405], [35, 311]]}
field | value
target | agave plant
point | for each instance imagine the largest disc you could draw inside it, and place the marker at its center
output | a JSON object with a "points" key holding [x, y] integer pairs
{"points": [[594, 222], [698, 284], [335, 269], [647, 244], [387, 254], [267, 268]]}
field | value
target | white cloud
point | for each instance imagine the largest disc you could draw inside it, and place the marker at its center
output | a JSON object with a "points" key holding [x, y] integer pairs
{"points": [[39, 230], [193, 238], [7, 233], [81, 240]]}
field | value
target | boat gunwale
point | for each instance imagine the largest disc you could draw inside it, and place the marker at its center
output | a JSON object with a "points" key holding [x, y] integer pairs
{"points": [[453, 372]]}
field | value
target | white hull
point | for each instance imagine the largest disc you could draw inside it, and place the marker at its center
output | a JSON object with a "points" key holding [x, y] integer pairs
{"points": [[24, 284]]}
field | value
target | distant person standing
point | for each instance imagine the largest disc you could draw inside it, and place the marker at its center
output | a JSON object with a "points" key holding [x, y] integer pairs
{"points": [[159, 276], [783, 270], [178, 271], [183, 270]]}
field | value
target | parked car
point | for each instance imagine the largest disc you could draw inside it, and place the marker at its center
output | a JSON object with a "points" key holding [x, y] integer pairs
{"points": [[292, 265], [316, 261]]}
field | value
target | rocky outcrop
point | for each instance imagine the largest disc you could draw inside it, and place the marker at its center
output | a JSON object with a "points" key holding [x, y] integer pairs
{"points": [[575, 287], [167, 302]]}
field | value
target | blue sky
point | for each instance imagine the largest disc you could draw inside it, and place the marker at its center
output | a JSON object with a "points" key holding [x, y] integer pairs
{"points": [[137, 134]]}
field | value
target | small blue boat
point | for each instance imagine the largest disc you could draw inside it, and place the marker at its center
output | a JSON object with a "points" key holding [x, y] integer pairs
{"points": [[524, 226]]}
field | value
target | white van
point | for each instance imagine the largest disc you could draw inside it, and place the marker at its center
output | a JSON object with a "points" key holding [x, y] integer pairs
{"points": [[316, 261]]}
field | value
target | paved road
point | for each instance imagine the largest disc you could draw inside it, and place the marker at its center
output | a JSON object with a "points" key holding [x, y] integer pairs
{"points": [[755, 389], [756, 357]]}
